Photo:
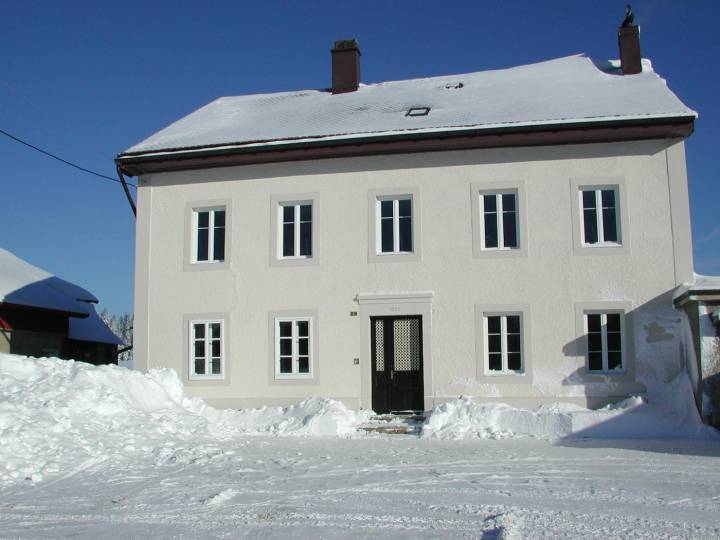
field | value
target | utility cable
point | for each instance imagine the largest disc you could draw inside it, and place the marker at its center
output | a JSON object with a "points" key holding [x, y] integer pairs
{"points": [[65, 161]]}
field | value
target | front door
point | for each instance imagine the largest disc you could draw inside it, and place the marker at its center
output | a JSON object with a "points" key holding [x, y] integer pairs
{"points": [[397, 363]]}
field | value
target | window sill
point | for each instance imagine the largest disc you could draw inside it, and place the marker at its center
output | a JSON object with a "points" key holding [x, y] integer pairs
{"points": [[601, 245], [609, 373], [199, 378], [499, 253], [199, 266], [400, 256], [602, 249], [294, 261]]}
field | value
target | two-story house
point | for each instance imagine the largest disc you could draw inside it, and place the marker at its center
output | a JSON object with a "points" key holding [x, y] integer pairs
{"points": [[513, 234]]}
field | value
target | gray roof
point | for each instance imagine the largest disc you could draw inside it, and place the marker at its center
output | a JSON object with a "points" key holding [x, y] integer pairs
{"points": [[568, 90]]}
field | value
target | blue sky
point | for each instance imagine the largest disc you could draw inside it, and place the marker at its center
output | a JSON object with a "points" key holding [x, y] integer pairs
{"points": [[86, 80]]}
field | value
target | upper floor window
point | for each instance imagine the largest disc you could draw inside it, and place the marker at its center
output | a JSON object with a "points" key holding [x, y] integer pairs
{"points": [[206, 349], [394, 228], [293, 348], [209, 235], [503, 339], [296, 229], [499, 221], [604, 332], [600, 213]]}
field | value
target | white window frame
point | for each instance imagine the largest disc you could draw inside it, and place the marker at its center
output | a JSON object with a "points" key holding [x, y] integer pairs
{"points": [[295, 355], [603, 329], [503, 344], [211, 236], [208, 348], [499, 219], [598, 189], [396, 224], [296, 222]]}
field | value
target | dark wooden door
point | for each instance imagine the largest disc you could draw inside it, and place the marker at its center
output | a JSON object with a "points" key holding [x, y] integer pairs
{"points": [[397, 363]]}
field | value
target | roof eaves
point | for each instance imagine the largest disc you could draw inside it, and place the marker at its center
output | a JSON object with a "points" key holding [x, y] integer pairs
{"points": [[360, 137]]}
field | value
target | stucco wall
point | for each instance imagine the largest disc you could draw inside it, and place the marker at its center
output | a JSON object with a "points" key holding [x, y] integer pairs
{"points": [[552, 279]]}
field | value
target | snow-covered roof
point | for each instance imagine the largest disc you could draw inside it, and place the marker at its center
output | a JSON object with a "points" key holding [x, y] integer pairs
{"points": [[701, 284], [27, 285], [568, 90], [92, 328]]}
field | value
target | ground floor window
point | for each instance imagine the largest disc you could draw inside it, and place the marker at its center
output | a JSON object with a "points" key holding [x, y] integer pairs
{"points": [[503, 339], [604, 332], [206, 350], [293, 348]]}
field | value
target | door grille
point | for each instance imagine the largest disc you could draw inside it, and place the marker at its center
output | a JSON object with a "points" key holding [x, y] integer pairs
{"points": [[407, 344], [379, 345]]}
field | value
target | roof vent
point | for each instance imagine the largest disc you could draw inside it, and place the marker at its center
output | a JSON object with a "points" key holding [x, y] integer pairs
{"points": [[418, 111]]}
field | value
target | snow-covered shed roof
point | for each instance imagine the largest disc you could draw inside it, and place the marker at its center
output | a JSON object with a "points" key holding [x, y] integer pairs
{"points": [[27, 285], [92, 328], [568, 90], [702, 286]]}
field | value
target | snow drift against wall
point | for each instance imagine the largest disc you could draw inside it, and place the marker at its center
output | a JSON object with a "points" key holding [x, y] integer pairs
{"points": [[58, 417]]}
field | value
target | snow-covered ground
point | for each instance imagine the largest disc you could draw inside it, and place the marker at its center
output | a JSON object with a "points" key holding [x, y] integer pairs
{"points": [[104, 452]]}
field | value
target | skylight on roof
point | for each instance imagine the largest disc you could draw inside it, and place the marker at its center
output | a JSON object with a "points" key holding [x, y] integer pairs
{"points": [[418, 111]]}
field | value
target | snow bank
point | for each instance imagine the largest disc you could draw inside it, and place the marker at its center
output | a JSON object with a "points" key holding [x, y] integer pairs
{"points": [[58, 416], [632, 418]]}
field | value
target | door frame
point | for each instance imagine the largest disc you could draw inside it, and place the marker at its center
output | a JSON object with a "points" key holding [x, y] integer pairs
{"points": [[395, 305]]}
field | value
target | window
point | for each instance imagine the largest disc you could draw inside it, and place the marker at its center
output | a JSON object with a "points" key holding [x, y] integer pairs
{"points": [[499, 221], [209, 235], [503, 343], [604, 332], [206, 350], [395, 228], [600, 225], [293, 348], [295, 229]]}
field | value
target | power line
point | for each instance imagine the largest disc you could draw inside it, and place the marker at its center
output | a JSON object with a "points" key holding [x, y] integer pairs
{"points": [[58, 158]]}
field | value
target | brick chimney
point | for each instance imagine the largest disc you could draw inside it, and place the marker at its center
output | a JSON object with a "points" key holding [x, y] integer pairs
{"points": [[345, 66], [629, 41]]}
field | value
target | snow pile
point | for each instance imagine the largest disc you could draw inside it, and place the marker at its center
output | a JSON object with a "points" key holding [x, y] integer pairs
{"points": [[632, 418], [58, 415], [313, 416]]}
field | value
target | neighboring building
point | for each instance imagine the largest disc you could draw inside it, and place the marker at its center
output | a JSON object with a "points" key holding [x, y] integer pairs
{"points": [[43, 315], [514, 235], [700, 300]]}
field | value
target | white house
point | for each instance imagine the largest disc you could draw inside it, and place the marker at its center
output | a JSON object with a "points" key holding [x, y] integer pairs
{"points": [[513, 235]]}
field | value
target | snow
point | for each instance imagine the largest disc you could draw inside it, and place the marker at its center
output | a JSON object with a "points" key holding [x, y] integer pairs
{"points": [[27, 285], [565, 90], [674, 415], [106, 452], [56, 413], [699, 283]]}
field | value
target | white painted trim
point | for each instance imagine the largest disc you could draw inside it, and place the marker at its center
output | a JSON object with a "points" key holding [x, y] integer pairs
{"points": [[374, 198], [276, 204], [479, 189], [577, 185], [294, 352], [190, 263]]}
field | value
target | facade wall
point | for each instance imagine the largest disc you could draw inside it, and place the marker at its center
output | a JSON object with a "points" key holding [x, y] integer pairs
{"points": [[552, 279]]}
